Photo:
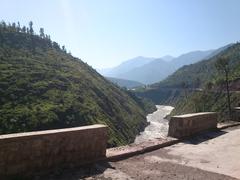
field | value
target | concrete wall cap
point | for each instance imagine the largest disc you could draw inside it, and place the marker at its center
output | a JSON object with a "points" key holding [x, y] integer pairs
{"points": [[54, 131], [193, 114]]}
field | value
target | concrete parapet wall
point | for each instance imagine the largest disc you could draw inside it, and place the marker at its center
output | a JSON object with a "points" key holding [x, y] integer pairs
{"points": [[28, 153], [236, 114], [189, 124]]}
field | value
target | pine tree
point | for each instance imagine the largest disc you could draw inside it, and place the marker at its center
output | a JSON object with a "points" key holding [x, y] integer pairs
{"points": [[31, 31], [222, 65], [24, 29], [18, 27], [42, 35], [64, 49]]}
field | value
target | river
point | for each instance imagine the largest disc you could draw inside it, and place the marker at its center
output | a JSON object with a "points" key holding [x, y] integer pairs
{"points": [[158, 127]]}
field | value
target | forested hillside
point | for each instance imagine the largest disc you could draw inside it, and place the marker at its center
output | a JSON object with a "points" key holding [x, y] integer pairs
{"points": [[207, 101], [199, 74], [125, 83], [44, 87], [200, 86]]}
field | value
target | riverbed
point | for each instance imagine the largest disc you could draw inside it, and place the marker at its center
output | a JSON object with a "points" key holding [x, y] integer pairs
{"points": [[158, 127]]}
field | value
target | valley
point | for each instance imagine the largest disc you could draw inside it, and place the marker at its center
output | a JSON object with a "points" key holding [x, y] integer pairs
{"points": [[125, 83], [44, 87], [119, 90]]}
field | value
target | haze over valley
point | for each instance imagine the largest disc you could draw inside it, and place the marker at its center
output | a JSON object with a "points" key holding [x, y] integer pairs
{"points": [[119, 89], [151, 70]]}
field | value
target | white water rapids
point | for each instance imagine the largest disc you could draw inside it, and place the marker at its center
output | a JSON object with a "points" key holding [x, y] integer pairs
{"points": [[158, 127]]}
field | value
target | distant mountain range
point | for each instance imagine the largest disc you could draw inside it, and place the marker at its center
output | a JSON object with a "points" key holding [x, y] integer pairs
{"points": [[125, 67], [197, 76], [199, 73], [200, 86], [151, 70], [125, 83]]}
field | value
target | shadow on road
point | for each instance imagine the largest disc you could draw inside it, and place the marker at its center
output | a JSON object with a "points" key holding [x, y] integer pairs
{"points": [[200, 138], [83, 172]]}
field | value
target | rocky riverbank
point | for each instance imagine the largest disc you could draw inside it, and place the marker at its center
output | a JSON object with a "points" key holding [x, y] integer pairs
{"points": [[158, 125]]}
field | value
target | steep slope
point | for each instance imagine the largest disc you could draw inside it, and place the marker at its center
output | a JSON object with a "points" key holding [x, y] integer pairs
{"points": [[126, 66], [160, 95], [167, 58], [125, 83], [214, 53], [198, 74], [43, 87], [201, 101], [199, 87], [190, 58], [150, 73], [213, 96]]}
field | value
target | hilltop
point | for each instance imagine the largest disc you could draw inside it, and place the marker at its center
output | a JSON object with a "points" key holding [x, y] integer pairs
{"points": [[44, 87]]}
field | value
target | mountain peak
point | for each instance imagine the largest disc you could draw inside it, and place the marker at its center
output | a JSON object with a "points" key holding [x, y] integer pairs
{"points": [[167, 58], [126, 66]]}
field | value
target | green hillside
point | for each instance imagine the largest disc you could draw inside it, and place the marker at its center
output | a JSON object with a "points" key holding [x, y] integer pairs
{"points": [[125, 83], [206, 101], [44, 87], [199, 74], [159, 95], [199, 87]]}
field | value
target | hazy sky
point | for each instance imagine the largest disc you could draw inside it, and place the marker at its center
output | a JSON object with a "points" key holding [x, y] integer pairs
{"points": [[105, 32]]}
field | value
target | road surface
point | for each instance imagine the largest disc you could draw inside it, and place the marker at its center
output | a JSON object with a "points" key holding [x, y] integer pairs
{"points": [[214, 155]]}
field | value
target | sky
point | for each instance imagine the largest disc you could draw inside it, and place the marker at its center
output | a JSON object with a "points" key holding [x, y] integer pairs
{"points": [[104, 33]]}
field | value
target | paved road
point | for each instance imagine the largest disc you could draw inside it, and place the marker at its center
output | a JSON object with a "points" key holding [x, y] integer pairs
{"points": [[213, 155]]}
